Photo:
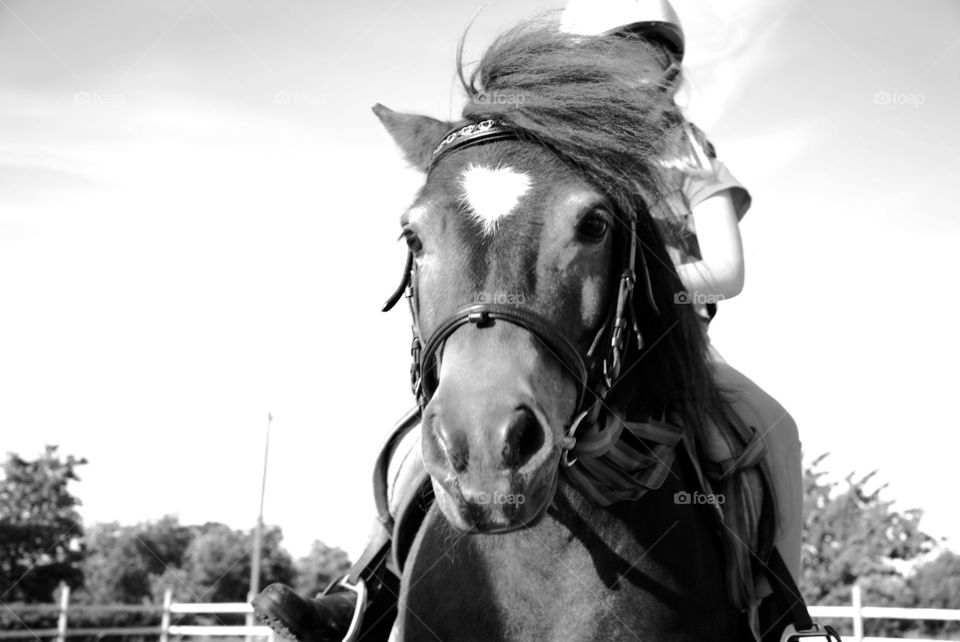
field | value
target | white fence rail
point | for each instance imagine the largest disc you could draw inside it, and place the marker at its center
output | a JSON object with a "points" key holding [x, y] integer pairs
{"points": [[856, 612], [164, 632]]}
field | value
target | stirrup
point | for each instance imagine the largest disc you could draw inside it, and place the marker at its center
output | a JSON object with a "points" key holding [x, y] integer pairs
{"points": [[827, 633], [360, 589]]}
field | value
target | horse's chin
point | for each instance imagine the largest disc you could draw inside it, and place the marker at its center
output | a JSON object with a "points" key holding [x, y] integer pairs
{"points": [[499, 506]]}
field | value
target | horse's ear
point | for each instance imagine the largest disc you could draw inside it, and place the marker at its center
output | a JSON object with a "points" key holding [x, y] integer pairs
{"points": [[416, 135]]}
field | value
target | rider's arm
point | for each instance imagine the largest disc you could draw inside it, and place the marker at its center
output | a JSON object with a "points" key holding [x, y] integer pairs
{"points": [[717, 202], [720, 271]]}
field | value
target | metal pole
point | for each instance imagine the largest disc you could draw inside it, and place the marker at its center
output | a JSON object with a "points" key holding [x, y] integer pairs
{"points": [[258, 529]]}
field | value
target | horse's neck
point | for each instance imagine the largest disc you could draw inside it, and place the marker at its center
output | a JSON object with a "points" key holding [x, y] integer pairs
{"points": [[624, 529], [654, 563]]}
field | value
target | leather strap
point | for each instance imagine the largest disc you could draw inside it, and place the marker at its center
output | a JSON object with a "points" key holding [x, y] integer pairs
{"points": [[372, 560], [404, 282], [469, 134], [787, 593], [382, 466], [483, 314]]}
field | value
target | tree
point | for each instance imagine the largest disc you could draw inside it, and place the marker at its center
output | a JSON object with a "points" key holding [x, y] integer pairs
{"points": [[851, 536], [319, 567], [218, 562], [936, 584], [136, 564], [116, 570], [166, 541], [40, 528], [124, 564]]}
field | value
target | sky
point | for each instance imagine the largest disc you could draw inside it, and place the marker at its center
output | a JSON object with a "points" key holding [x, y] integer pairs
{"points": [[198, 224]]}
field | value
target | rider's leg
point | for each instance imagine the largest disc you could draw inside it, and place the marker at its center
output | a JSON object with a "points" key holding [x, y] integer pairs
{"points": [[782, 441]]}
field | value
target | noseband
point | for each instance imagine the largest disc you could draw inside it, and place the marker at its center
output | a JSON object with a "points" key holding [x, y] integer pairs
{"points": [[595, 371]]}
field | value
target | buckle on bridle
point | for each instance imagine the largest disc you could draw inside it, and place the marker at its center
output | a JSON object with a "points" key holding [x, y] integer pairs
{"points": [[569, 440], [479, 318]]}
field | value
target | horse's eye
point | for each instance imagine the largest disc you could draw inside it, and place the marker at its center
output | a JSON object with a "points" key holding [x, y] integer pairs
{"points": [[593, 227], [413, 241]]}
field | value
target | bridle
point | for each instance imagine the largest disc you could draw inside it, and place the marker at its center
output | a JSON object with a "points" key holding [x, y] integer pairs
{"points": [[596, 371]]}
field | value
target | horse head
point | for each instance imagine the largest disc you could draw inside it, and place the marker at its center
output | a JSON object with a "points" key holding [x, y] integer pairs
{"points": [[502, 224], [531, 214]]}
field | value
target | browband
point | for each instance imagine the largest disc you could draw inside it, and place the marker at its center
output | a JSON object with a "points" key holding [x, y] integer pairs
{"points": [[484, 131]]}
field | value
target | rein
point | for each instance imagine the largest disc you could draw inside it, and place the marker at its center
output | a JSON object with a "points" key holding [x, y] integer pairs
{"points": [[595, 371]]}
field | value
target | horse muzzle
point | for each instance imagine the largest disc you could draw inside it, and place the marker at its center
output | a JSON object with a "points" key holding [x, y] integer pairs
{"points": [[493, 469], [493, 428], [507, 501]]}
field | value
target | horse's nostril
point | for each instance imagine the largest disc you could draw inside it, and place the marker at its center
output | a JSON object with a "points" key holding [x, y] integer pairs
{"points": [[523, 438], [442, 444], [455, 449]]}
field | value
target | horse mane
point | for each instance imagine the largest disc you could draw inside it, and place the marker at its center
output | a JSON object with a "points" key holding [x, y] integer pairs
{"points": [[583, 98]]}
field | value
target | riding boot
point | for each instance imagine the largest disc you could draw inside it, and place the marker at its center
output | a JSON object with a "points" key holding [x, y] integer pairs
{"points": [[322, 619]]}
